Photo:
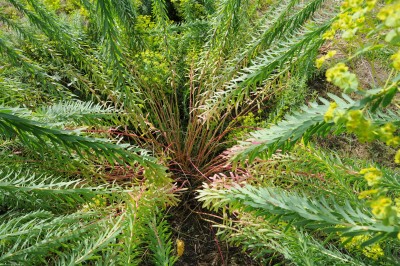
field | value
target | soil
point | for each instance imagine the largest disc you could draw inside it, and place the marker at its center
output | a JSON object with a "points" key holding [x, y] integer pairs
{"points": [[348, 146], [194, 226]]}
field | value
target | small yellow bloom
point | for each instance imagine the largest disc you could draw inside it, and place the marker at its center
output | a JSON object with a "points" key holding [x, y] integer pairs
{"points": [[331, 53], [384, 13], [180, 247], [367, 193], [328, 35], [328, 117], [372, 175], [381, 207], [394, 141], [320, 61], [388, 128], [390, 15], [396, 60], [355, 3], [397, 157], [371, 4], [336, 71]]}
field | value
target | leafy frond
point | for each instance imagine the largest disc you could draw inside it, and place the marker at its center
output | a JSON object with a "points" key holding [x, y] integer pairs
{"points": [[127, 14], [319, 214], [278, 22], [287, 132], [160, 242], [159, 10], [17, 58], [38, 137], [88, 248], [31, 236], [272, 63], [61, 47], [88, 234], [264, 239], [308, 168], [77, 111], [27, 190]]}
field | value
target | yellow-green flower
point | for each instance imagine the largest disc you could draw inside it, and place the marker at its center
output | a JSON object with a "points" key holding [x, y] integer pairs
{"points": [[372, 175], [386, 134], [366, 193], [394, 142], [397, 157], [390, 15], [371, 4], [388, 129], [322, 59], [328, 117], [354, 120], [381, 207], [335, 71], [341, 77], [373, 251], [384, 13], [355, 3], [396, 60], [328, 35]]}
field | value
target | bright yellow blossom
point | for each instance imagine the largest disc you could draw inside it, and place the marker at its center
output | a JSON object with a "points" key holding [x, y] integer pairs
{"points": [[366, 193], [396, 60], [390, 15], [372, 175], [341, 77], [397, 157], [381, 208], [328, 117], [322, 59]]}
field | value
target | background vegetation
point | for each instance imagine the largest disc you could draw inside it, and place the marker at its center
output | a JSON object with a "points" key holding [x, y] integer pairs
{"points": [[132, 130]]}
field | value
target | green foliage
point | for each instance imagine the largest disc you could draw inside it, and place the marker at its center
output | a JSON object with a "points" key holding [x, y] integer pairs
{"points": [[104, 82], [296, 126], [357, 207], [161, 244], [293, 202]]}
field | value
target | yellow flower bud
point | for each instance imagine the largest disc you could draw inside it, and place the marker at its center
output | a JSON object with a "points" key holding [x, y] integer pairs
{"points": [[372, 175], [397, 157], [328, 117], [180, 247], [367, 193], [396, 60], [381, 207]]}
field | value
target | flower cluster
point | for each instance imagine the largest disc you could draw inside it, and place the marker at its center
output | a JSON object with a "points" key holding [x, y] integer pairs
{"points": [[340, 76], [351, 20], [396, 60], [322, 59], [357, 21], [152, 66], [373, 252], [386, 134], [330, 113], [363, 128], [390, 16], [397, 157], [372, 175], [66, 6], [382, 207]]}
